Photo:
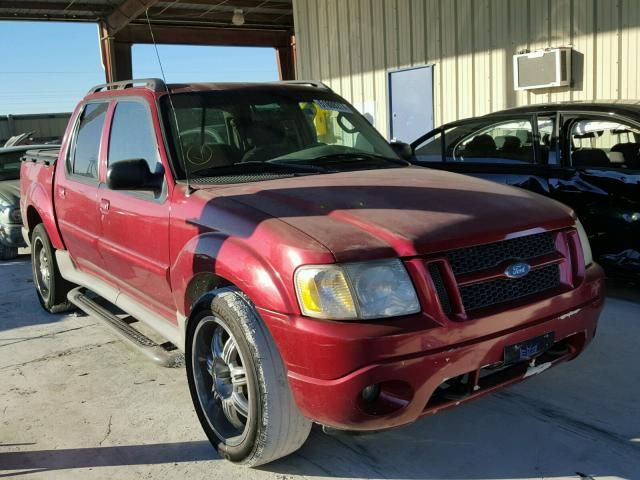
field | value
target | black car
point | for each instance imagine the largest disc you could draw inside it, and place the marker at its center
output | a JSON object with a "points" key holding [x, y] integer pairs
{"points": [[586, 155], [10, 219]]}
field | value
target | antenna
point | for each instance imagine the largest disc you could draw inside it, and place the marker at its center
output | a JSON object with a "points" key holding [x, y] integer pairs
{"points": [[190, 189]]}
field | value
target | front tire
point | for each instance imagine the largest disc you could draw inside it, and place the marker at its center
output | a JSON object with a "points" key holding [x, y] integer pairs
{"points": [[51, 287], [238, 384]]}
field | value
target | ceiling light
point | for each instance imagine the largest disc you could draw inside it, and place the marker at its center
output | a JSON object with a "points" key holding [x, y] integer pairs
{"points": [[238, 17]]}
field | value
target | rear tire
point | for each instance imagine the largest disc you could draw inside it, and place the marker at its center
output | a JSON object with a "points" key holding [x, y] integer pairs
{"points": [[239, 385], [51, 287], [8, 253]]}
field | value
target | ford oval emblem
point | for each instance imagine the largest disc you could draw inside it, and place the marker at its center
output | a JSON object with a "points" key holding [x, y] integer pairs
{"points": [[517, 270]]}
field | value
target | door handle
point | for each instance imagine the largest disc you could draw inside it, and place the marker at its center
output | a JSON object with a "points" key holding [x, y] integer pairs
{"points": [[104, 206], [62, 191]]}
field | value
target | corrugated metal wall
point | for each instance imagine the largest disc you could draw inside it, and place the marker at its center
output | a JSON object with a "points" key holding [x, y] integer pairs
{"points": [[46, 126], [350, 45]]}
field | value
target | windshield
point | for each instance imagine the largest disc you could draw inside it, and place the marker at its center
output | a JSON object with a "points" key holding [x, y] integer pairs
{"points": [[10, 164], [255, 134]]}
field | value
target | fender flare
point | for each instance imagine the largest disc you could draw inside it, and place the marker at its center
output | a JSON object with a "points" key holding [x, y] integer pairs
{"points": [[43, 205], [233, 262]]}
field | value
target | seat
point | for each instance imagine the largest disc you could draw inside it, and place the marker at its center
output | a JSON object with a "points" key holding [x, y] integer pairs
{"points": [[630, 152], [511, 145], [481, 146], [266, 141], [590, 157]]}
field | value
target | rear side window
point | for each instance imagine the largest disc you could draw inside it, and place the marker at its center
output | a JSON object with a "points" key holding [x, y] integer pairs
{"points": [[508, 142], [132, 135], [604, 142], [83, 158]]}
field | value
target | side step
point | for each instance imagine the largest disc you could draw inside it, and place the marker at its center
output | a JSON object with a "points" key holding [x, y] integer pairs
{"points": [[162, 355]]}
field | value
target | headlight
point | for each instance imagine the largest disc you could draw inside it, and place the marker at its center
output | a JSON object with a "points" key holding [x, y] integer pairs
{"points": [[586, 247], [15, 216], [353, 291]]}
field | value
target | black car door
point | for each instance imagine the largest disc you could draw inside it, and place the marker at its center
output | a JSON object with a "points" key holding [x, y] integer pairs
{"points": [[512, 149], [599, 177]]}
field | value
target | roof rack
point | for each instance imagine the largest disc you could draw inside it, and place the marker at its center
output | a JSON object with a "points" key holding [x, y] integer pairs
{"points": [[155, 84], [311, 83]]}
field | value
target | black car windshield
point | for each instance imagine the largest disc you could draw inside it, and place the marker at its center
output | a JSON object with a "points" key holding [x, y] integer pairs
{"points": [[243, 134], [10, 164]]}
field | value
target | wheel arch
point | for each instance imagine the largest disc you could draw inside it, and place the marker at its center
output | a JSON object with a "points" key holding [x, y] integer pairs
{"points": [[213, 261], [40, 210]]}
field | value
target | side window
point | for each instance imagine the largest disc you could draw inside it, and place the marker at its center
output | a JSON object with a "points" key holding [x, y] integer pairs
{"points": [[132, 135], [430, 150], [83, 156], [604, 143], [505, 142]]}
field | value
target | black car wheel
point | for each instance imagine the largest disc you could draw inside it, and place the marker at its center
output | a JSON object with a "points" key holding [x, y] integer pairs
{"points": [[238, 384], [51, 287]]}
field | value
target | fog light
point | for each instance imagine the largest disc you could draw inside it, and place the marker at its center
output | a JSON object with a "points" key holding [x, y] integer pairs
{"points": [[371, 393]]}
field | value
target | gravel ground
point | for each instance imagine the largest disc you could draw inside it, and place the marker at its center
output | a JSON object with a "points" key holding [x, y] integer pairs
{"points": [[77, 403]]}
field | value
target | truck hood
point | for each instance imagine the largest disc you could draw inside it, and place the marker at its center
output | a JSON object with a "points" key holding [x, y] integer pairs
{"points": [[401, 212], [10, 192]]}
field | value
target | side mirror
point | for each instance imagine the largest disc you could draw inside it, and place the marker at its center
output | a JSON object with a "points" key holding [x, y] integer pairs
{"points": [[403, 150], [133, 175]]}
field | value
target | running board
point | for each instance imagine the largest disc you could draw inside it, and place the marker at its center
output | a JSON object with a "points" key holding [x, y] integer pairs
{"points": [[162, 355]]}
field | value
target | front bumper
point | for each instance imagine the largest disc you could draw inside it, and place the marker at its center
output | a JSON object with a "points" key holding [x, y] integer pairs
{"points": [[11, 235], [330, 363]]}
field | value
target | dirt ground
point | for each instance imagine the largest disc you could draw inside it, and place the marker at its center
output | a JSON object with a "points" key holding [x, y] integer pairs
{"points": [[77, 403]]}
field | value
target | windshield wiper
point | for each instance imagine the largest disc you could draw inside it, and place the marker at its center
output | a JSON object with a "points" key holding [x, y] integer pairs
{"points": [[270, 166], [352, 157]]}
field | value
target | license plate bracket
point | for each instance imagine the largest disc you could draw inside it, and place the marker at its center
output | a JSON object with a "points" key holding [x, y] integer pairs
{"points": [[528, 349]]}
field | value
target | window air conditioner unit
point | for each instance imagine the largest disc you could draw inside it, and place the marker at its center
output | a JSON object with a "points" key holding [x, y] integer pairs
{"points": [[542, 69]]}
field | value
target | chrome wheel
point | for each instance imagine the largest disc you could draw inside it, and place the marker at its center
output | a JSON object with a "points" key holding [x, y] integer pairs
{"points": [[221, 381], [42, 268]]}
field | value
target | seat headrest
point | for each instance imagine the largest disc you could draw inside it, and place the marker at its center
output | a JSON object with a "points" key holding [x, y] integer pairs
{"points": [[590, 157], [481, 144], [262, 134]]}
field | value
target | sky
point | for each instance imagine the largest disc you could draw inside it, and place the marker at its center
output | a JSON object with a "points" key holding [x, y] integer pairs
{"points": [[47, 67]]}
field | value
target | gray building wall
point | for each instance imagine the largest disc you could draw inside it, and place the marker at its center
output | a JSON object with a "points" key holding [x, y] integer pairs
{"points": [[351, 44]]}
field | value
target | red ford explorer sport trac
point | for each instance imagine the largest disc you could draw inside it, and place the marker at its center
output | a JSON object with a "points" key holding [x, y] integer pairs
{"points": [[307, 272]]}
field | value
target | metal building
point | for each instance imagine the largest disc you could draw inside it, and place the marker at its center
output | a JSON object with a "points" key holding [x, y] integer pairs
{"points": [[352, 45]]}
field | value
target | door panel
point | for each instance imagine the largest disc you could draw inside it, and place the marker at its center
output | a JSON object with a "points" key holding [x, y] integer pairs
{"points": [[600, 179], [410, 102], [76, 189], [135, 225]]}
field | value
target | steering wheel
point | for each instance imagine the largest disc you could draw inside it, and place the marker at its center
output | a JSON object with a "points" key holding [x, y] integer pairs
{"points": [[196, 148], [193, 136]]}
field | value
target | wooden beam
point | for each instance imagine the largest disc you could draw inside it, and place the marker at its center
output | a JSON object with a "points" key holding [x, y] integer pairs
{"points": [[286, 57], [116, 57], [128, 11], [236, 37]]}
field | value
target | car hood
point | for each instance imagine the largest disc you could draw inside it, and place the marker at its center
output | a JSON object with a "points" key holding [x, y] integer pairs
{"points": [[10, 192], [401, 211]]}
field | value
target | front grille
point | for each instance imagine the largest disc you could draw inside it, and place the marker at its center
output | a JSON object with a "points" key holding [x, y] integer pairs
{"points": [[441, 289], [493, 292], [483, 257]]}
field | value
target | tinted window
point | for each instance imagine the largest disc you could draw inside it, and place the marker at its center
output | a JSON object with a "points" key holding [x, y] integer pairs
{"points": [[10, 164], [604, 143], [430, 150], [236, 134], [132, 135], [84, 155], [481, 141], [505, 142]]}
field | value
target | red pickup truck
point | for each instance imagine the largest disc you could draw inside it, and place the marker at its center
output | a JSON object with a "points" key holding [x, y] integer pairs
{"points": [[307, 272]]}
